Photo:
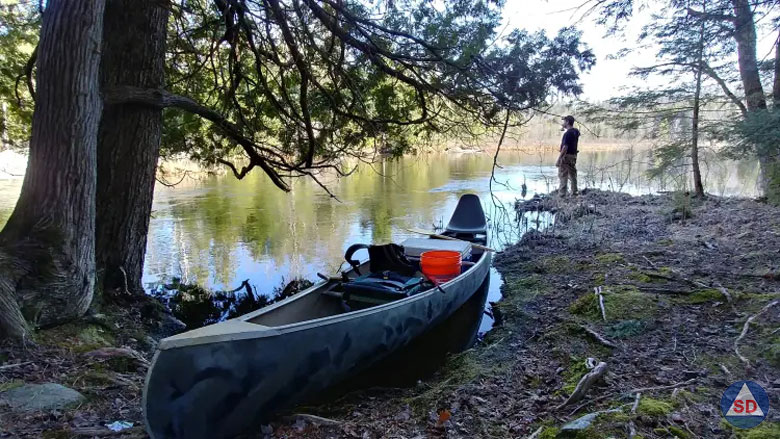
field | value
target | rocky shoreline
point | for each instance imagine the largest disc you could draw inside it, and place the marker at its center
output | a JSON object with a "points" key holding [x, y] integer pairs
{"points": [[657, 288]]}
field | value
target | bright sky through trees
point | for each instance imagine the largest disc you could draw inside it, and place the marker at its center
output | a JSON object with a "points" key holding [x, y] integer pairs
{"points": [[609, 75]]}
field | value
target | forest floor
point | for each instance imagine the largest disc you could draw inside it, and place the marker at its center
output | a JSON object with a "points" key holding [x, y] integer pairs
{"points": [[679, 279]]}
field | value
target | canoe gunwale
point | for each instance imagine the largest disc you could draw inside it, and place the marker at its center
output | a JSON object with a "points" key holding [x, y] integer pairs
{"points": [[273, 331]]}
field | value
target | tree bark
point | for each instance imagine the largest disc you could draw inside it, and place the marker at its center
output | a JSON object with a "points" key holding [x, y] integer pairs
{"points": [[745, 36], [128, 141], [776, 87], [697, 183], [47, 248]]}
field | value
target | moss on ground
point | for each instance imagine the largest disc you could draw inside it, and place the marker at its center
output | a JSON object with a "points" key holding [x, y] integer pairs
{"points": [[77, 337], [459, 369], [640, 277], [704, 296], [621, 302], [625, 329], [572, 374], [767, 430], [552, 265], [610, 258], [654, 407], [56, 434], [526, 287], [679, 432], [772, 352], [549, 433], [8, 385]]}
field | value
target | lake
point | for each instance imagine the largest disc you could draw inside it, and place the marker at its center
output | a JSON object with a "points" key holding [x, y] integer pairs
{"points": [[218, 231]]}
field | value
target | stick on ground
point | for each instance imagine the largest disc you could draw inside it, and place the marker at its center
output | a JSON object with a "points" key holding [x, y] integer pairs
{"points": [[598, 337], [746, 327], [585, 383]]}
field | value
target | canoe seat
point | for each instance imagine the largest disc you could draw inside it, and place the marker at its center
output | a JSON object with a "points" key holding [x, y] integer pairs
{"points": [[468, 220], [379, 288]]}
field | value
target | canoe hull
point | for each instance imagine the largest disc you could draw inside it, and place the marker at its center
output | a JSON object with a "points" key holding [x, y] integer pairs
{"points": [[220, 388]]}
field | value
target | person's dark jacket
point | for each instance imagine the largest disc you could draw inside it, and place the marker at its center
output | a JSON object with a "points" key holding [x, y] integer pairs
{"points": [[570, 140]]}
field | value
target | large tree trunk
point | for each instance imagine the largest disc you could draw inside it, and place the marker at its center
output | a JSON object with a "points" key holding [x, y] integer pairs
{"points": [[129, 141], [47, 248], [745, 36]]}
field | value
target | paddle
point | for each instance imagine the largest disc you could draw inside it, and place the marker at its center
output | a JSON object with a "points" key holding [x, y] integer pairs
{"points": [[435, 235]]}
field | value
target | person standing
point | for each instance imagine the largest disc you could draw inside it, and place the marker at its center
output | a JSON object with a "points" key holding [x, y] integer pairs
{"points": [[567, 160]]}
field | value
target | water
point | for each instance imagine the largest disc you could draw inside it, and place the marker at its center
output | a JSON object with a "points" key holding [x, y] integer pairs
{"points": [[219, 231]]}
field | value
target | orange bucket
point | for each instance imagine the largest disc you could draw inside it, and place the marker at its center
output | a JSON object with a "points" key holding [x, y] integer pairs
{"points": [[440, 265]]}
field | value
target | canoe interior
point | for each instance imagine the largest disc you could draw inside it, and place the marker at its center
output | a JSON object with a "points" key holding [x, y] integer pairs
{"points": [[321, 301]]}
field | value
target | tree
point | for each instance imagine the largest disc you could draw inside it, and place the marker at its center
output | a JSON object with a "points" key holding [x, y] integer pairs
{"points": [[47, 264], [733, 24], [19, 25], [299, 86], [128, 140], [295, 87]]}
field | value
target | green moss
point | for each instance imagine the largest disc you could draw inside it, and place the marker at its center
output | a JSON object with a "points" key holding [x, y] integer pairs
{"points": [[614, 417], [704, 296], [584, 305], [610, 258], [56, 434], [640, 277], [8, 385], [621, 302], [77, 337], [679, 432], [654, 407], [767, 430], [599, 278], [95, 378], [625, 329], [531, 284], [573, 374], [772, 352], [549, 433]]}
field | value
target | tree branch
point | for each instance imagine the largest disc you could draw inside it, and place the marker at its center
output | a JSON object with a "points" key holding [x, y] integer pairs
{"points": [[161, 99], [711, 16], [27, 74]]}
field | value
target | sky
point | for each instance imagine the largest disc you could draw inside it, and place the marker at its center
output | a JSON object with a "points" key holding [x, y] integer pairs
{"points": [[608, 76]]}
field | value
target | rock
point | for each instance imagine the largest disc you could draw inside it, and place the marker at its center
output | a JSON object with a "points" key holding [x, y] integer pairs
{"points": [[578, 424], [41, 397], [572, 428]]}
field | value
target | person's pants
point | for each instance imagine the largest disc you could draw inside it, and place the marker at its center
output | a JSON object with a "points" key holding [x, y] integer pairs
{"points": [[568, 171]]}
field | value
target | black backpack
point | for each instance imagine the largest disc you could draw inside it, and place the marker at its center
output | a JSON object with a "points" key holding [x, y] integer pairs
{"points": [[386, 257]]}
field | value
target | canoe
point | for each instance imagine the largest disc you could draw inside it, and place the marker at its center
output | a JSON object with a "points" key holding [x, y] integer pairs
{"points": [[224, 379]]}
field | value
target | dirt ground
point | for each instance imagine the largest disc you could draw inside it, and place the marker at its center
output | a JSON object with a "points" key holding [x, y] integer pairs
{"points": [[678, 278]]}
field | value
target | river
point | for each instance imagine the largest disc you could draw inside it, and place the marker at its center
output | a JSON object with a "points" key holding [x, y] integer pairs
{"points": [[218, 231]]}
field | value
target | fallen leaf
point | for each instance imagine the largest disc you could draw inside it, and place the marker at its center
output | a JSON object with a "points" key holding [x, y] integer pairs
{"points": [[444, 416]]}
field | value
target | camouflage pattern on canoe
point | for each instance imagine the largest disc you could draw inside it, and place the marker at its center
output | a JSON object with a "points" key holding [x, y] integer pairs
{"points": [[224, 379]]}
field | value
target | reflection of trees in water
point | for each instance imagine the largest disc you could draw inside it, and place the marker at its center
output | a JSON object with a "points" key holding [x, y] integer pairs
{"points": [[224, 226]]}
